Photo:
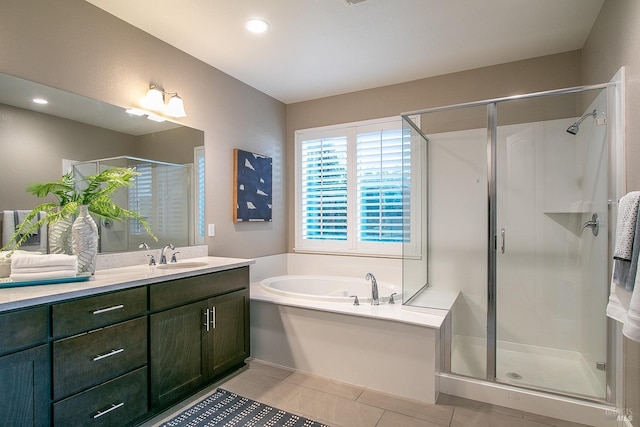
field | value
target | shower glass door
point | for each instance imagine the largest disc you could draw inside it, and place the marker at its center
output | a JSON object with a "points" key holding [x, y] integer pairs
{"points": [[551, 243]]}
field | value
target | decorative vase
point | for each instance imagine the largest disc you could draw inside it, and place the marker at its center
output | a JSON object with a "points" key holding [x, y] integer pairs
{"points": [[60, 237], [84, 241]]}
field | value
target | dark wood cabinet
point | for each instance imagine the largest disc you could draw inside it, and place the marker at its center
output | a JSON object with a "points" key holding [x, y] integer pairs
{"points": [[116, 358], [228, 340], [90, 368], [25, 373], [194, 344], [117, 402], [24, 387]]}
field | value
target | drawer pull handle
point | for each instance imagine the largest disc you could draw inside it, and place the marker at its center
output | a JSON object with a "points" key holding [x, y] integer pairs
{"points": [[111, 353], [114, 406], [213, 317], [104, 310]]}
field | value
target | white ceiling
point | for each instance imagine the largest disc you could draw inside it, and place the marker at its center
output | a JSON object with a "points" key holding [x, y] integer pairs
{"points": [[318, 48]]}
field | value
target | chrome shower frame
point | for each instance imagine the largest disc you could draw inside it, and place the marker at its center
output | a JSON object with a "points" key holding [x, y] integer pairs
{"points": [[492, 235]]}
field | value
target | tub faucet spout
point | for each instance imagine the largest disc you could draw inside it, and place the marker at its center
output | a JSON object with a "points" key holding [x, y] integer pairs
{"points": [[374, 289]]}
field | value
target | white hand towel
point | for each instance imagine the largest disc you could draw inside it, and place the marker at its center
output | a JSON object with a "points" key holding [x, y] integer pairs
{"points": [[619, 302], [631, 328], [51, 260], [32, 277]]}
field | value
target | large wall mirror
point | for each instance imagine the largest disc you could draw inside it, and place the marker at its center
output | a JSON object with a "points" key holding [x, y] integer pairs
{"points": [[38, 143]]}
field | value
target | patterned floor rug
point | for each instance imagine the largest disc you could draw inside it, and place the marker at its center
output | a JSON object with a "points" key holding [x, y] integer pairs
{"points": [[226, 409]]}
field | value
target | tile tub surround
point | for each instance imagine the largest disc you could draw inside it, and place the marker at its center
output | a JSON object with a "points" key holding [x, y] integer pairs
{"points": [[345, 405], [112, 279]]}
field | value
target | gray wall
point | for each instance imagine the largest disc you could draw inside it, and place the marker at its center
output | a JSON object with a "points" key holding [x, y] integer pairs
{"points": [[615, 41], [537, 74], [74, 46], [33, 145]]}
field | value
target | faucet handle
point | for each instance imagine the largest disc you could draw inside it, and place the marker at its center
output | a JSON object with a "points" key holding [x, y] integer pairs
{"points": [[173, 257], [391, 300], [152, 260], [355, 301]]}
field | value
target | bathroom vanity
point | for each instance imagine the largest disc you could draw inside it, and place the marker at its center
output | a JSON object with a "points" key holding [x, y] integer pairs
{"points": [[123, 346]]}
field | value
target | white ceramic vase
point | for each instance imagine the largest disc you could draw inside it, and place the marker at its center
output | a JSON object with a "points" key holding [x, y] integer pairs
{"points": [[84, 241], [60, 237]]}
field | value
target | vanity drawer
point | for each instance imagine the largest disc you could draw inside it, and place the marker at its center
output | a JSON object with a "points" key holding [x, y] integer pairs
{"points": [[85, 360], [94, 312], [115, 403], [23, 328], [181, 291]]}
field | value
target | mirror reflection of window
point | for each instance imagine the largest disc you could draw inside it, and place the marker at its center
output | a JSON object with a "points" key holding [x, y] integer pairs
{"points": [[198, 172]]}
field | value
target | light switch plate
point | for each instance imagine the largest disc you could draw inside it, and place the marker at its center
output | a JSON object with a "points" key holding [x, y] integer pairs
{"points": [[212, 230]]}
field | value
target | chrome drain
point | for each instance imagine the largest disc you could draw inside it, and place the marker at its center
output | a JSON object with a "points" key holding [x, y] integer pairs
{"points": [[514, 375]]}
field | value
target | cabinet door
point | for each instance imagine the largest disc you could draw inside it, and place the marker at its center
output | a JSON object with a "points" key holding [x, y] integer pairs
{"points": [[228, 340], [24, 387], [176, 358]]}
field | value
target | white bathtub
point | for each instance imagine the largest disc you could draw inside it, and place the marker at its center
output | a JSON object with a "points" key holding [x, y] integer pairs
{"points": [[337, 289], [309, 323]]}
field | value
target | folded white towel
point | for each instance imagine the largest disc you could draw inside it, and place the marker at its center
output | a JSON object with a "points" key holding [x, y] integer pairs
{"points": [[32, 277], [51, 260], [26, 270]]}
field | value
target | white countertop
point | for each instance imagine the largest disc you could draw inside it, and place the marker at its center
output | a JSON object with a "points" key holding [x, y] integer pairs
{"points": [[112, 279]]}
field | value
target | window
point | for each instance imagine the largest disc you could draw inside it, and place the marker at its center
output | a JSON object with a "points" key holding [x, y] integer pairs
{"points": [[199, 195], [353, 188], [166, 212]]}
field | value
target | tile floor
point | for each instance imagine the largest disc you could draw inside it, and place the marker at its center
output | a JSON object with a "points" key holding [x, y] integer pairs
{"points": [[345, 405]]}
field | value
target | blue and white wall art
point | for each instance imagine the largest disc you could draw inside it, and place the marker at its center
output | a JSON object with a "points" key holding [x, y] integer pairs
{"points": [[252, 191]]}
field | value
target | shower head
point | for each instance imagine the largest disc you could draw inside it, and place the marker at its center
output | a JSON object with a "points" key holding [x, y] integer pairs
{"points": [[574, 128]]}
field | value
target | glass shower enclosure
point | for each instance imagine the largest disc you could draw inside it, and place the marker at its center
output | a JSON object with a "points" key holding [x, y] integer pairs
{"points": [[161, 194], [517, 220]]}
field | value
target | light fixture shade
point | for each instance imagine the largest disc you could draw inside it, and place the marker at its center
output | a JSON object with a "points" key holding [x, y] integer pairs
{"points": [[175, 107], [154, 100]]}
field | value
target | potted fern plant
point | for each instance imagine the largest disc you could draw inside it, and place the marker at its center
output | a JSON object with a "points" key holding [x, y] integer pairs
{"points": [[92, 194]]}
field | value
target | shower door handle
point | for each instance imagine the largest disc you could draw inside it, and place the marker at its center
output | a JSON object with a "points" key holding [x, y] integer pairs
{"points": [[502, 236]]}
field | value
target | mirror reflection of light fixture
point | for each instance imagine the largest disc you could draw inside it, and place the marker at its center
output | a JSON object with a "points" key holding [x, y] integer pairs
{"points": [[155, 101]]}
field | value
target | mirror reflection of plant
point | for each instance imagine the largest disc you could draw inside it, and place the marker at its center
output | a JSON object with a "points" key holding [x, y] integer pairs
{"points": [[96, 194]]}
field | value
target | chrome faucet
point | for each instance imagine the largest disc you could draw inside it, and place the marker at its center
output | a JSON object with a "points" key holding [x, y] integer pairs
{"points": [[163, 257], [152, 260], [374, 289]]}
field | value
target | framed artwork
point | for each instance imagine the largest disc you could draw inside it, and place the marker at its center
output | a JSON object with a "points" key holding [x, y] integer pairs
{"points": [[252, 186]]}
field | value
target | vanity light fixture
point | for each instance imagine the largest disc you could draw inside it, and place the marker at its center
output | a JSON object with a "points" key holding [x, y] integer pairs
{"points": [[257, 25], [155, 101]]}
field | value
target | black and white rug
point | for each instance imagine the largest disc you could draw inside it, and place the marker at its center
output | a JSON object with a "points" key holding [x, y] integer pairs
{"points": [[226, 409]]}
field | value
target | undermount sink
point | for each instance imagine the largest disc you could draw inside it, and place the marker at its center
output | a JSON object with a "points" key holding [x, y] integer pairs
{"points": [[182, 264]]}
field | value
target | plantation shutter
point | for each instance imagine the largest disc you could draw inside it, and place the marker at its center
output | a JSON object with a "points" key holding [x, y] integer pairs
{"points": [[167, 212], [324, 188], [141, 200], [380, 179], [199, 154]]}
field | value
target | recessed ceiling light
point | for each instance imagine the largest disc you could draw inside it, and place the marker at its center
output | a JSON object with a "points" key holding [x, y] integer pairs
{"points": [[257, 25], [40, 101]]}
